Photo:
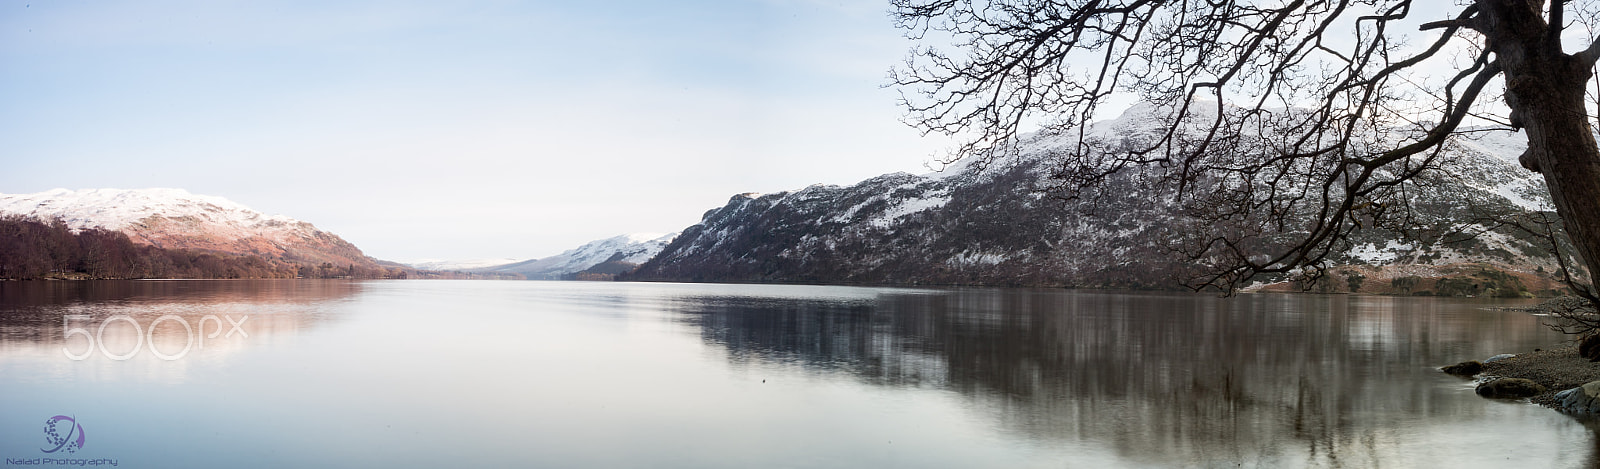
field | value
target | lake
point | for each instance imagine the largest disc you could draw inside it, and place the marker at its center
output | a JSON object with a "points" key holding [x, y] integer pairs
{"points": [[440, 373]]}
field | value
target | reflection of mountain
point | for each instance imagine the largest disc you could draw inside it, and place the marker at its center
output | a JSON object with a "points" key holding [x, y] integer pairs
{"points": [[1162, 378], [32, 314]]}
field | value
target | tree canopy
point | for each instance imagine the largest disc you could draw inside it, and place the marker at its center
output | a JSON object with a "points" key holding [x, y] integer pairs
{"points": [[1290, 124]]}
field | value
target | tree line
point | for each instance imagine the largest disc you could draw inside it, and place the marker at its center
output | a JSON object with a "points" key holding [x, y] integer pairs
{"points": [[37, 249]]}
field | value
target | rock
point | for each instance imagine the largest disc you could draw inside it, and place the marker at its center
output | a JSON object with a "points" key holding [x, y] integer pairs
{"points": [[1510, 388], [1589, 347], [1499, 357], [1582, 399], [1467, 368]]}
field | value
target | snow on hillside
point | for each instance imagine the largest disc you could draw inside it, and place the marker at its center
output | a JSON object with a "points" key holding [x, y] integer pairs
{"points": [[994, 224], [633, 248], [1526, 189], [123, 209], [177, 219]]}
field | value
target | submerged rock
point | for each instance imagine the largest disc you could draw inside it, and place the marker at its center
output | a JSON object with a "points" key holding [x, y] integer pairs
{"points": [[1509, 388], [1466, 368], [1499, 357]]}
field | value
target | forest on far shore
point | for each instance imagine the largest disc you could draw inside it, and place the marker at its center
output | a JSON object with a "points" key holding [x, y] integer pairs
{"points": [[37, 249]]}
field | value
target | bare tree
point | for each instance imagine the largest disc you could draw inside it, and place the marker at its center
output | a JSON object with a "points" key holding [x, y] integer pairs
{"points": [[1292, 122]]}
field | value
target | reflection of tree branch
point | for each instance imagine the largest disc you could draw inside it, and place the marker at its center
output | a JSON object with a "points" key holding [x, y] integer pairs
{"points": [[1171, 372]]}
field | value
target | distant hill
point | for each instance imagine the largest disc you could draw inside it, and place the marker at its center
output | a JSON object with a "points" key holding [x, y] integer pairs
{"points": [[465, 265], [176, 220], [596, 260]]}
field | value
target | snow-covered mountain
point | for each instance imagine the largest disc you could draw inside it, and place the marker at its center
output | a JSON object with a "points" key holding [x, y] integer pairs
{"points": [[1001, 226], [459, 264], [606, 257], [177, 219]]}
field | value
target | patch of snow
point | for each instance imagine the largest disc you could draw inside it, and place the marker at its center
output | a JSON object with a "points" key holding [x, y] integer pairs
{"points": [[1505, 145], [1511, 193], [908, 207], [1371, 254], [978, 258]]}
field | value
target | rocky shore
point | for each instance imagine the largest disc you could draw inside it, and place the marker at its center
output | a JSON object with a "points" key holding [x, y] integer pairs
{"points": [[1550, 374], [1557, 369]]}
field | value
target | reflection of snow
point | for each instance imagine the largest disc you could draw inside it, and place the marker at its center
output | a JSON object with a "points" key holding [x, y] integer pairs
{"points": [[112, 340], [1371, 330]]}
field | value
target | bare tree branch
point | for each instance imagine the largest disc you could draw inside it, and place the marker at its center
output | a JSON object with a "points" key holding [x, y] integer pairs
{"points": [[1287, 126]]}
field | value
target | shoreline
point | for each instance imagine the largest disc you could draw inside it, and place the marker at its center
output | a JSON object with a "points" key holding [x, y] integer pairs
{"points": [[1556, 369]]}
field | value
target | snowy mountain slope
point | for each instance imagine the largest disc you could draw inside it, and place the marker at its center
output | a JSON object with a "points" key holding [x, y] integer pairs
{"points": [[116, 209], [971, 228], [631, 249], [1000, 226], [1499, 150], [177, 219]]}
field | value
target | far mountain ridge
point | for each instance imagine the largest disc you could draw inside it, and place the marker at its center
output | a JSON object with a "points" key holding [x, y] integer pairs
{"points": [[596, 260], [460, 265]]}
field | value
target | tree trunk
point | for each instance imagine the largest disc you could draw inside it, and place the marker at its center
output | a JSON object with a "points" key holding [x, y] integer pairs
{"points": [[1567, 156], [1545, 90]]}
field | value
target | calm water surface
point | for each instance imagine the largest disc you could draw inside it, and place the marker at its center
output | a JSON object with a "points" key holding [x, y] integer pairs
{"points": [[570, 374]]}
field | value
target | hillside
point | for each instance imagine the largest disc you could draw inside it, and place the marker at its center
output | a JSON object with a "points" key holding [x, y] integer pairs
{"points": [[165, 224], [1003, 225], [177, 219]]}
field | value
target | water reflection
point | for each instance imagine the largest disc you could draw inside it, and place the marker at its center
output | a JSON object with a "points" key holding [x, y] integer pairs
{"points": [[51, 322], [576, 374], [1269, 379]]}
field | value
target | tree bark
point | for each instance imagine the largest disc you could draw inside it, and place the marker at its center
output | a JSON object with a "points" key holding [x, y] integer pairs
{"points": [[1545, 91]]}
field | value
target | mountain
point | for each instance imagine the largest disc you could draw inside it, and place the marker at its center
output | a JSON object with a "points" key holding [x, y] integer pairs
{"points": [[461, 265], [598, 259], [175, 219], [1002, 225]]}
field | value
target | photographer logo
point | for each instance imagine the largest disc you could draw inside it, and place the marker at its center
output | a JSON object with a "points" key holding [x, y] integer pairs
{"points": [[71, 442]]}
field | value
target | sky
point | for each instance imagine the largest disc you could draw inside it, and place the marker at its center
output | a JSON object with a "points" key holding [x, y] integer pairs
{"points": [[455, 130]]}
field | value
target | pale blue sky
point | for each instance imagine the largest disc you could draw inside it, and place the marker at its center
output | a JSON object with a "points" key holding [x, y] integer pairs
{"points": [[451, 129]]}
